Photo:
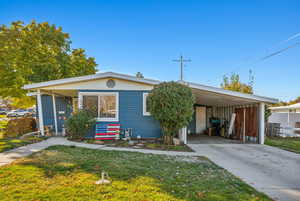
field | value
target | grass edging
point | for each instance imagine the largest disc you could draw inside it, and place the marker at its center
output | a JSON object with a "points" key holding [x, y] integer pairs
{"points": [[291, 144]]}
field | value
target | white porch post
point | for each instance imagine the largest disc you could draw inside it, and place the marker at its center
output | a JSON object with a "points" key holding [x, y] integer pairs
{"points": [[261, 123], [54, 114], [40, 110]]}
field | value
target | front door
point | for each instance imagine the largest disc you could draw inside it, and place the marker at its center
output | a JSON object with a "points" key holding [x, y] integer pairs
{"points": [[200, 119]]}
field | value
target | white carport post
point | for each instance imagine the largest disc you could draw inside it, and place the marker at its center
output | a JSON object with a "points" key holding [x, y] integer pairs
{"points": [[183, 135], [54, 114], [261, 123], [40, 110]]}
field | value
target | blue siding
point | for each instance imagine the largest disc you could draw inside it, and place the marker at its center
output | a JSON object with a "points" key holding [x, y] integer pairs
{"points": [[62, 104], [47, 108], [131, 115]]}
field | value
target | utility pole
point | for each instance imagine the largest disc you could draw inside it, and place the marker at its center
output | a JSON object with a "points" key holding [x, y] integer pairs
{"points": [[181, 60]]}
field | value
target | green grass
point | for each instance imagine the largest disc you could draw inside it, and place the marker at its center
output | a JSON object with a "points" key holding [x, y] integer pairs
{"points": [[69, 173], [2, 116], [287, 143], [11, 143]]}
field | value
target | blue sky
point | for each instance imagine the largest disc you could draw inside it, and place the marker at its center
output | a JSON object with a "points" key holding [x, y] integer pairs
{"points": [[219, 36]]}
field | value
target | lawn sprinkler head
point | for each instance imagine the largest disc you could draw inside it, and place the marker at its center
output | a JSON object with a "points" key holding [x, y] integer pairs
{"points": [[104, 179]]}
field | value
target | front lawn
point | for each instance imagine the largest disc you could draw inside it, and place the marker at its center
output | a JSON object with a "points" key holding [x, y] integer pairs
{"points": [[11, 143], [287, 143], [69, 173]]}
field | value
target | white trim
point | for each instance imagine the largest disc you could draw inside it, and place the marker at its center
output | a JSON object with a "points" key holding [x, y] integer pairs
{"points": [[54, 114], [91, 77], [40, 111], [98, 94], [31, 94], [145, 113]]}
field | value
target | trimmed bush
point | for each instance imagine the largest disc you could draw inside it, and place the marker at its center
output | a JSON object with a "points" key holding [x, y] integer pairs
{"points": [[171, 103], [20, 126], [79, 124]]}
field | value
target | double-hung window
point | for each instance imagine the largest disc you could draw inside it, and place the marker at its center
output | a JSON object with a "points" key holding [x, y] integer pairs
{"points": [[103, 105]]}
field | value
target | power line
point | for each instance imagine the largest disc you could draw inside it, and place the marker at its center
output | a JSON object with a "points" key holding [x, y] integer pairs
{"points": [[273, 53], [278, 52]]}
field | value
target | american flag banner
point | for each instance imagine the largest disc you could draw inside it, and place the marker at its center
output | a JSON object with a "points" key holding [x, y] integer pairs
{"points": [[107, 131]]}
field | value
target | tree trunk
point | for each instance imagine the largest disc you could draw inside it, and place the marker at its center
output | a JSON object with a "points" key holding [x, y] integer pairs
{"points": [[168, 139]]}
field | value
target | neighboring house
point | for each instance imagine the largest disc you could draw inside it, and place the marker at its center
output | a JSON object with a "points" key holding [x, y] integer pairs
{"points": [[122, 98], [286, 116]]}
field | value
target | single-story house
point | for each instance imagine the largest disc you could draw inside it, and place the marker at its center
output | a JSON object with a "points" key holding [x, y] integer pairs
{"points": [[287, 116], [122, 98]]}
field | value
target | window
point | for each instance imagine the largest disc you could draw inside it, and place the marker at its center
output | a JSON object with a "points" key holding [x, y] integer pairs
{"points": [[107, 106], [104, 105], [91, 103], [145, 105]]}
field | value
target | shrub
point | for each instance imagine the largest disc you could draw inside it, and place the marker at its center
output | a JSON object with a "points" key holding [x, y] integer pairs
{"points": [[171, 103], [79, 124], [18, 127]]}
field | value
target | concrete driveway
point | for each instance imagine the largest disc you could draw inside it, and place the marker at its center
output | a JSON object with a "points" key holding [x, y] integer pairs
{"points": [[268, 169]]}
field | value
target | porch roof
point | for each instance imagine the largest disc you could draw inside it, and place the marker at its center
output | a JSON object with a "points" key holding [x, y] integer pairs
{"points": [[91, 77]]}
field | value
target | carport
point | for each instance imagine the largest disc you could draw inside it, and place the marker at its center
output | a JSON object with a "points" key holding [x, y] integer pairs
{"points": [[240, 118]]}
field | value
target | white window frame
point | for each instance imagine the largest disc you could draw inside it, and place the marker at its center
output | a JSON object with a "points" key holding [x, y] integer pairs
{"points": [[116, 94], [145, 113]]}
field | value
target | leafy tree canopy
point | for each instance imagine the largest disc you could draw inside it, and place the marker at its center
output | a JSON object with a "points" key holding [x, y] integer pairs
{"points": [[37, 52], [139, 75], [171, 104], [233, 83], [285, 103]]}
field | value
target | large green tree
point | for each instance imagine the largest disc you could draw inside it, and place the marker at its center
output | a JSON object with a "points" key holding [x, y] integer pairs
{"points": [[37, 52], [171, 103]]}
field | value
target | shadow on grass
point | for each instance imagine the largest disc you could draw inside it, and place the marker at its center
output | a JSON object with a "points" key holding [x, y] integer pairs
{"points": [[63, 171]]}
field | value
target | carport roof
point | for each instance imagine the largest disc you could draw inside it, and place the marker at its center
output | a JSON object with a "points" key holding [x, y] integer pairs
{"points": [[209, 94], [220, 97]]}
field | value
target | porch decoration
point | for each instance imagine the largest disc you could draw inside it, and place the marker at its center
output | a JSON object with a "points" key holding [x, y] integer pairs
{"points": [[107, 131]]}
